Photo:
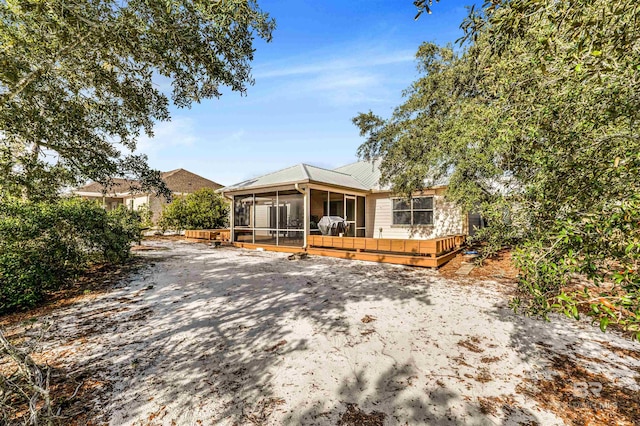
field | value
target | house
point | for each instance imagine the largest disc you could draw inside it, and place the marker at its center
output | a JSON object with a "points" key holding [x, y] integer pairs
{"points": [[283, 208], [122, 192]]}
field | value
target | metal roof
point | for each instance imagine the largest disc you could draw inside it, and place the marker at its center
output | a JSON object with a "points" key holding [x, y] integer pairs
{"points": [[300, 173], [368, 173], [365, 172], [361, 175]]}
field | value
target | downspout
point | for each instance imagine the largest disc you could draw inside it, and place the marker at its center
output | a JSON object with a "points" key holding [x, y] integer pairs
{"points": [[305, 192]]}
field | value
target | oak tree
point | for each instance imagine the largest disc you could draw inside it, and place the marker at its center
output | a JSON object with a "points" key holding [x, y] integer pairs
{"points": [[534, 122], [79, 81]]}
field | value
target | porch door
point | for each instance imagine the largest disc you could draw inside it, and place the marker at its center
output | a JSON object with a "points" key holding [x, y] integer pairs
{"points": [[360, 217], [350, 214]]}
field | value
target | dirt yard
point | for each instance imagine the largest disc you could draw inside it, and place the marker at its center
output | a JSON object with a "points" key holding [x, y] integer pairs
{"points": [[204, 335]]}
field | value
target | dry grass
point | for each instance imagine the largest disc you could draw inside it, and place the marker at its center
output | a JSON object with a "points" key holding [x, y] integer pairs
{"points": [[98, 279], [607, 406], [354, 416], [471, 344]]}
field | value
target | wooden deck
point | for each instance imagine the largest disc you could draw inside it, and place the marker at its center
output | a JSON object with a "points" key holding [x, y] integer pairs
{"points": [[208, 234], [269, 247], [431, 253], [432, 248], [426, 253]]}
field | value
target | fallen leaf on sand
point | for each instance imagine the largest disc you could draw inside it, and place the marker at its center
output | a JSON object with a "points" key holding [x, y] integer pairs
{"points": [[471, 344], [354, 416], [367, 319], [276, 346]]}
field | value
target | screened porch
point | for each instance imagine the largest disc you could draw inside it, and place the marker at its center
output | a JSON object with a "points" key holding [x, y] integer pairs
{"points": [[285, 217]]}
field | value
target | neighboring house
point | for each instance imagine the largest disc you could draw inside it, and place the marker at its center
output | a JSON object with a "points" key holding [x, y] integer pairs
{"points": [[179, 181], [284, 207]]}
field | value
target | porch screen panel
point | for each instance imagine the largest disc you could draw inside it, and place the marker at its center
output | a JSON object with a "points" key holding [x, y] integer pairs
{"points": [[291, 238], [271, 218], [243, 210], [350, 215], [360, 217], [265, 236], [336, 204], [318, 208], [243, 235], [266, 211], [291, 210]]}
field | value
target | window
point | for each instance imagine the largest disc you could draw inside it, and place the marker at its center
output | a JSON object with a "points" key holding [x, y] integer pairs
{"points": [[416, 211]]}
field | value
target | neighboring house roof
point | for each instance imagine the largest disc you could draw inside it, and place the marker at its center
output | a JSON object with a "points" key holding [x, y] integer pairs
{"points": [[178, 181], [300, 173], [119, 186], [184, 181]]}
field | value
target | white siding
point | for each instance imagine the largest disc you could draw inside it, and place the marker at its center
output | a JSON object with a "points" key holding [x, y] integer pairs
{"points": [[138, 201], [448, 220]]}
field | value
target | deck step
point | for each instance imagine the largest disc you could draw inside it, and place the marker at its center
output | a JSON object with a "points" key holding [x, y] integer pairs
{"points": [[465, 269]]}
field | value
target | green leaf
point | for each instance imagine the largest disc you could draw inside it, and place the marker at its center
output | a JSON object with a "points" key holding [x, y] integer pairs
{"points": [[604, 322]]}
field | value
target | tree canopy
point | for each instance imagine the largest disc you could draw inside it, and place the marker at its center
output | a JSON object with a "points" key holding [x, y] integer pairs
{"points": [[534, 121], [203, 209], [78, 80]]}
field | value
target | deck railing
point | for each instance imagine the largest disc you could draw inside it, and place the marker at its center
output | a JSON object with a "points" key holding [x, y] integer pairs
{"points": [[432, 248], [209, 234]]}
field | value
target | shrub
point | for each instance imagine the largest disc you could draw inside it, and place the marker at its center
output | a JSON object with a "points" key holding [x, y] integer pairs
{"points": [[146, 215], [604, 248], [204, 209], [44, 244]]}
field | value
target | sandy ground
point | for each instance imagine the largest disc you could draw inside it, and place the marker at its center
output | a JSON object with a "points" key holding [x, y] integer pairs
{"points": [[230, 336]]}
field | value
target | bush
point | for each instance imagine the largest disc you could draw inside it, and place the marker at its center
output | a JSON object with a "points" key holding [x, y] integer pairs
{"points": [[604, 248], [44, 244], [204, 209], [146, 215]]}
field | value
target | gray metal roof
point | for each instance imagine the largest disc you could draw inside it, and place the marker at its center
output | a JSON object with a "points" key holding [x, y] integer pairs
{"points": [[300, 173], [368, 173], [365, 172], [361, 175]]}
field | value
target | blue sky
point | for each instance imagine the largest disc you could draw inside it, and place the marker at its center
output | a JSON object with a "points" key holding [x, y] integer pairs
{"points": [[328, 61]]}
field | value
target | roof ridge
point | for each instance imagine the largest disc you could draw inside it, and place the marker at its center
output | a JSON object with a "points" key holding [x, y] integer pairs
{"points": [[305, 171], [326, 170], [268, 174], [372, 161], [172, 172], [115, 180]]}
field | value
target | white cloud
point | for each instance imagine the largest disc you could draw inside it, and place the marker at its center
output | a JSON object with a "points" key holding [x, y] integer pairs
{"points": [[341, 76], [367, 59], [348, 87]]}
